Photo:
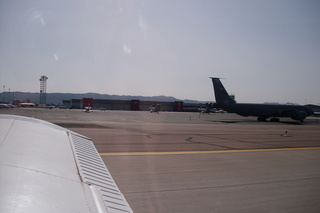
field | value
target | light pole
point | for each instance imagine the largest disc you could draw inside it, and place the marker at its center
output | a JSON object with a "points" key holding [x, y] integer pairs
{"points": [[4, 90]]}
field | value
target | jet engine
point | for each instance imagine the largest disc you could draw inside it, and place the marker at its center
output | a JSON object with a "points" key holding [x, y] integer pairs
{"points": [[299, 115]]}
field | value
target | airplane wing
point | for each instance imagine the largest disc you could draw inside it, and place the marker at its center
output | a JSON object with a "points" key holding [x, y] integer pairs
{"points": [[46, 168]]}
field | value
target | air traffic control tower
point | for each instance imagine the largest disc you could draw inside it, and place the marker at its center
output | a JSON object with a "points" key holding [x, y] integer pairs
{"points": [[43, 90]]}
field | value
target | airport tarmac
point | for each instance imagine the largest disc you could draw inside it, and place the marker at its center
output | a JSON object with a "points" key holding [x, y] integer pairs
{"points": [[187, 162]]}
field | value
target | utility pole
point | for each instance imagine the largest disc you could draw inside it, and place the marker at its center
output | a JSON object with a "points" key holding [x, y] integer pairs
{"points": [[4, 90]]}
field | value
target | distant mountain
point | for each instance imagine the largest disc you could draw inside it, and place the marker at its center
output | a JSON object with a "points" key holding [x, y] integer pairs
{"points": [[57, 98]]}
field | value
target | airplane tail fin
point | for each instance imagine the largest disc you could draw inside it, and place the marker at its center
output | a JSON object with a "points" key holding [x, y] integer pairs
{"points": [[222, 97]]}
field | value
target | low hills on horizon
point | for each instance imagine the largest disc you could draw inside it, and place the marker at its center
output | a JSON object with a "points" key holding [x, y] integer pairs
{"points": [[57, 98]]}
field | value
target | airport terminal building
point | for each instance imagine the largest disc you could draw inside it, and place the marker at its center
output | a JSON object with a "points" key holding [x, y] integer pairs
{"points": [[131, 105]]}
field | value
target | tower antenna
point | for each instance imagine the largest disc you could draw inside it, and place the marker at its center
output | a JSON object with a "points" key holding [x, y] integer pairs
{"points": [[43, 90]]}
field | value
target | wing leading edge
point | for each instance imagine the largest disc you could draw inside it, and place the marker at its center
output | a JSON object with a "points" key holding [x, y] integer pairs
{"points": [[46, 168]]}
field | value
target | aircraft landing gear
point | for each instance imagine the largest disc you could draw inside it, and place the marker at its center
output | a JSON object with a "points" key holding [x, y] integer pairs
{"points": [[274, 120], [261, 119]]}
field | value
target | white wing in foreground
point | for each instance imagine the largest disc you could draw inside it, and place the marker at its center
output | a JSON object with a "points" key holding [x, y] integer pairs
{"points": [[46, 168]]}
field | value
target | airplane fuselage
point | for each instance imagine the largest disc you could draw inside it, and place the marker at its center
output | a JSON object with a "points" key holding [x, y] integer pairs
{"points": [[264, 111]]}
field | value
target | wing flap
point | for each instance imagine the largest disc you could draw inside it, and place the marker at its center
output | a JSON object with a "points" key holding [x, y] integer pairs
{"points": [[98, 174]]}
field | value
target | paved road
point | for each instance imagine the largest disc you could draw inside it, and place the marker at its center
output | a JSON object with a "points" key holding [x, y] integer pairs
{"points": [[186, 162]]}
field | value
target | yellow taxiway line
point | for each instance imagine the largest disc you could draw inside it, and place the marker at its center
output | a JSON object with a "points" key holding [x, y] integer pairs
{"points": [[204, 152]]}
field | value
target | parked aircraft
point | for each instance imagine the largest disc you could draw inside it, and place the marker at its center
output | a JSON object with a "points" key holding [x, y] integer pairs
{"points": [[5, 106], [87, 109], [155, 108], [262, 111]]}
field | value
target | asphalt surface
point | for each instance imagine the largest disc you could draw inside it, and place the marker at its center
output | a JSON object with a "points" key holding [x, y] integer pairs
{"points": [[187, 162]]}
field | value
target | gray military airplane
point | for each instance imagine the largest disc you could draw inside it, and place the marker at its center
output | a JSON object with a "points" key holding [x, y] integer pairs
{"points": [[262, 111]]}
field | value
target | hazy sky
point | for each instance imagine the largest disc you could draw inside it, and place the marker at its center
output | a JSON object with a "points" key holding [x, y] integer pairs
{"points": [[267, 51]]}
